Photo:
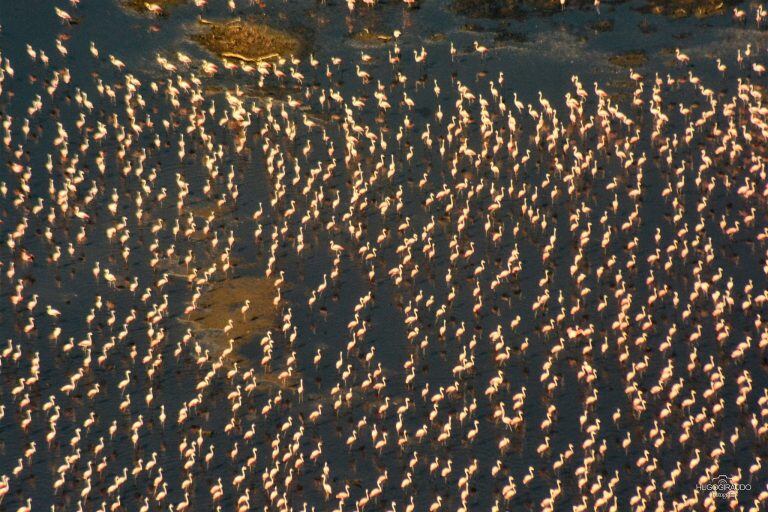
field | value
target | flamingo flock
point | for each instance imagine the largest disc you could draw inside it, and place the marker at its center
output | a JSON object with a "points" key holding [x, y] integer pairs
{"points": [[478, 302]]}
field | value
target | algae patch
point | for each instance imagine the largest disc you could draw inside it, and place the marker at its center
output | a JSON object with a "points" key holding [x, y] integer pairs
{"points": [[248, 40]]}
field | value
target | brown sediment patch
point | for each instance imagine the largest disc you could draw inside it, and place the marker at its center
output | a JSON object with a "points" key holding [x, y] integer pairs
{"points": [[620, 89], [497, 9], [141, 5], [222, 301], [631, 59], [486, 8], [248, 40], [505, 36], [209, 209], [500, 9], [438, 37], [472, 27], [370, 37], [603, 25], [686, 8]]}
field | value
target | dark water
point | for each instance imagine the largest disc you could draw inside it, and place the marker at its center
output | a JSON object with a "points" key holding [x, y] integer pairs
{"points": [[574, 221]]}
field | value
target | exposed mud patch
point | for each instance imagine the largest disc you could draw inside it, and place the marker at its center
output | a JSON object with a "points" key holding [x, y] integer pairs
{"points": [[221, 304], [144, 6], [632, 59], [248, 40]]}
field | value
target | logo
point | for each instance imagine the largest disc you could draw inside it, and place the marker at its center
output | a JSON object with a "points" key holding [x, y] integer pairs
{"points": [[723, 487]]}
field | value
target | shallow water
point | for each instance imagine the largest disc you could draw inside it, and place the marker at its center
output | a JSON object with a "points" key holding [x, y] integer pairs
{"points": [[536, 52]]}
